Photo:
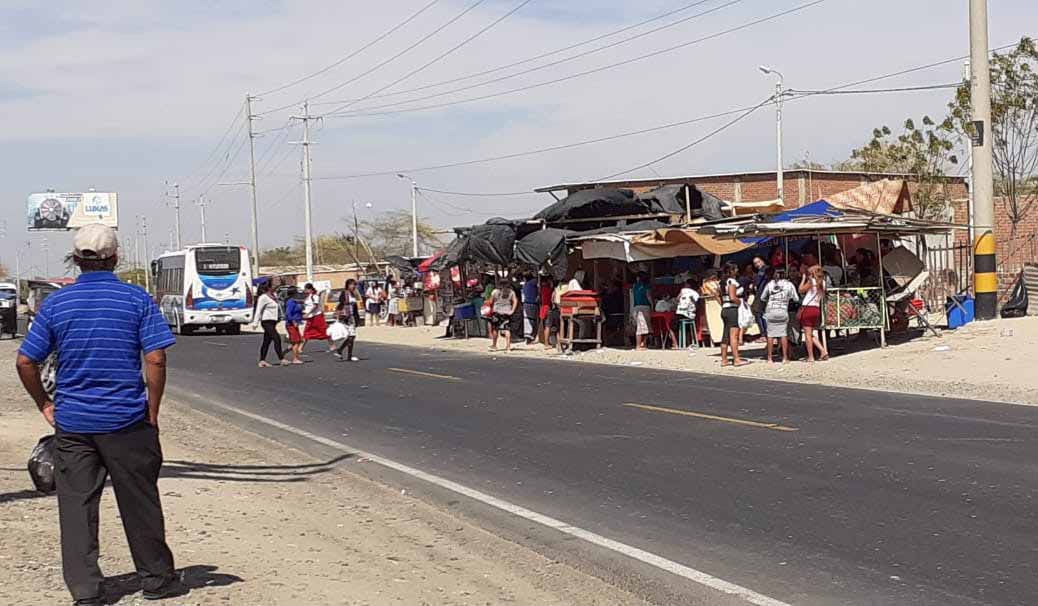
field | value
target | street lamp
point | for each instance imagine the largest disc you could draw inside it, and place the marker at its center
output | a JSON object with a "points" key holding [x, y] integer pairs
{"points": [[778, 127], [414, 213]]}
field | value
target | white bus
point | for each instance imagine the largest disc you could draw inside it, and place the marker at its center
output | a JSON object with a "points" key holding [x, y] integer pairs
{"points": [[205, 286]]}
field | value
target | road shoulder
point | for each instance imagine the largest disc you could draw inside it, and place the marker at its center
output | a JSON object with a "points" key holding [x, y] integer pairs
{"points": [[253, 521]]}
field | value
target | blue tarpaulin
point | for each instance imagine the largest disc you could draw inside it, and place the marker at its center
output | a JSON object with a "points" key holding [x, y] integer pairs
{"points": [[815, 209]]}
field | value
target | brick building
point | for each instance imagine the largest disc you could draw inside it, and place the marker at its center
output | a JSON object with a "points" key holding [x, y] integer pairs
{"points": [[801, 186]]}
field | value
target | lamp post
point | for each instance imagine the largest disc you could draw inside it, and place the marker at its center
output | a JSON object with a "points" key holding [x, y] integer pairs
{"points": [[778, 127], [414, 214]]}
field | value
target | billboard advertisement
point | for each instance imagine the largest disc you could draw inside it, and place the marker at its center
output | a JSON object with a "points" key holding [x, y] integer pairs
{"points": [[71, 211]]}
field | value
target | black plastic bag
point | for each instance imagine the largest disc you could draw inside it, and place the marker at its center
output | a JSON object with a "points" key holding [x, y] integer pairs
{"points": [[41, 465], [1016, 306]]}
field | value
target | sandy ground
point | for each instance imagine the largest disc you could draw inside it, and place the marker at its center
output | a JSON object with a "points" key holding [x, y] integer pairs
{"points": [[253, 522], [992, 361]]}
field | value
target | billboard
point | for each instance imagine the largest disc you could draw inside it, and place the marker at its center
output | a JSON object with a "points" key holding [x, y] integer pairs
{"points": [[71, 211]]}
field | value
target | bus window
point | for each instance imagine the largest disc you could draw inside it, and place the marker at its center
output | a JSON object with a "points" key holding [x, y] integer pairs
{"points": [[218, 261]]}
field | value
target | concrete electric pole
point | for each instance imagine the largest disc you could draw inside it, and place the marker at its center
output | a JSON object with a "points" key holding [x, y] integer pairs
{"points": [[984, 264], [201, 211], [252, 187], [147, 254], [779, 173], [414, 214], [309, 241], [176, 209]]}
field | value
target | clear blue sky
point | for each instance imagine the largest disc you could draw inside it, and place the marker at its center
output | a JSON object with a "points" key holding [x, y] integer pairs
{"points": [[128, 95]]}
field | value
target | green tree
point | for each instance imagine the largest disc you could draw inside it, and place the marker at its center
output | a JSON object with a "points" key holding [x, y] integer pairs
{"points": [[925, 153], [1014, 126]]}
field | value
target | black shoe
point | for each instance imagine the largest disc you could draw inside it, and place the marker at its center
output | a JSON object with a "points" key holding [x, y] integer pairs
{"points": [[172, 588], [89, 602]]}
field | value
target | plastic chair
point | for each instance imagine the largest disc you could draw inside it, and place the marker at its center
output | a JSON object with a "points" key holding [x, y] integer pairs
{"points": [[690, 324]]}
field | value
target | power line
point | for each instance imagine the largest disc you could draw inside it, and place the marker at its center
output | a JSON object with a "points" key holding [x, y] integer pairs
{"points": [[478, 194], [641, 131], [378, 66], [353, 54], [225, 162], [219, 144], [440, 57], [227, 167], [591, 71], [689, 146], [534, 151], [553, 63], [873, 91], [534, 58]]}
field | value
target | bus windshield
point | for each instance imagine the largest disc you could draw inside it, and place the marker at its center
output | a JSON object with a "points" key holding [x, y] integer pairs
{"points": [[218, 261]]}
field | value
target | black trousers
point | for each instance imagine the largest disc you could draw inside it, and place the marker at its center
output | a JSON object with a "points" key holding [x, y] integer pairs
{"points": [[132, 459], [270, 335]]}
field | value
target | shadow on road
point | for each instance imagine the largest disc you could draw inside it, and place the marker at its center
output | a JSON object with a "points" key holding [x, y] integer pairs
{"points": [[21, 495], [191, 470], [193, 577]]}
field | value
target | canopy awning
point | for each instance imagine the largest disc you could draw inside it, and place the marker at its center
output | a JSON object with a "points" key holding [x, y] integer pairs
{"points": [[889, 196], [634, 247]]}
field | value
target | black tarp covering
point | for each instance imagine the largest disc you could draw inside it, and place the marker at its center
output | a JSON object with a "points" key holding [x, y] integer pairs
{"points": [[407, 270], [452, 255], [543, 247], [668, 199], [647, 225], [593, 204], [492, 244]]}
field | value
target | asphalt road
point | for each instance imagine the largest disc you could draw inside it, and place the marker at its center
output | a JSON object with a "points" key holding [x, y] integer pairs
{"points": [[806, 494]]}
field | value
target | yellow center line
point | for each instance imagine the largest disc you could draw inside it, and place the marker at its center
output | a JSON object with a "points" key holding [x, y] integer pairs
{"points": [[700, 415], [424, 374]]}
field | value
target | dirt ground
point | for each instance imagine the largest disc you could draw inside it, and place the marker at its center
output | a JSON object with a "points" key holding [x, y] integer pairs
{"points": [[253, 522], [991, 361]]}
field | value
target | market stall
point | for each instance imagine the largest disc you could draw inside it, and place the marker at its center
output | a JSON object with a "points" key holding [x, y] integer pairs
{"points": [[860, 301]]}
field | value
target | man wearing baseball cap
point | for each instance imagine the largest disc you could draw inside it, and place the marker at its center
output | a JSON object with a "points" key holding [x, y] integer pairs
{"points": [[105, 415]]}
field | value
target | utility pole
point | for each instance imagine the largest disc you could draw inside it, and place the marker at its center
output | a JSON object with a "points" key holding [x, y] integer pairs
{"points": [[201, 210], [147, 254], [176, 209], [309, 241], [779, 92], [252, 187], [414, 214], [985, 275], [356, 233], [171, 247]]}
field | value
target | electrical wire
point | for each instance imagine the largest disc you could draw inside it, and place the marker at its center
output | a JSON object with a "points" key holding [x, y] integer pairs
{"points": [[382, 64], [591, 71], [531, 59], [689, 146], [225, 162], [227, 167], [440, 57], [873, 91], [535, 152], [478, 194], [587, 53], [219, 144], [353, 54]]}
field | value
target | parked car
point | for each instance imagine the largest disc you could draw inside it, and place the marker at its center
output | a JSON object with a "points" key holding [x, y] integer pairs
{"points": [[331, 303], [8, 309]]}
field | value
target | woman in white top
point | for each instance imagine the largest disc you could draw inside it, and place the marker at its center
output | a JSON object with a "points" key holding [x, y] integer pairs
{"points": [[731, 298], [777, 296], [269, 312], [812, 289], [373, 304]]}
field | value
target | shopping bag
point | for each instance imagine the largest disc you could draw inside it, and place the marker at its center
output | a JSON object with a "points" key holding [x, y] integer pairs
{"points": [[746, 318], [487, 310], [338, 331], [41, 465]]}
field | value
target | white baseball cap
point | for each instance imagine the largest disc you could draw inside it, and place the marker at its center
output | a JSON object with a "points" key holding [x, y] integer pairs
{"points": [[95, 242]]}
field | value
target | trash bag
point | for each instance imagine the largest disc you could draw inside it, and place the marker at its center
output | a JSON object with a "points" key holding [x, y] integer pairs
{"points": [[41, 465], [1016, 306]]}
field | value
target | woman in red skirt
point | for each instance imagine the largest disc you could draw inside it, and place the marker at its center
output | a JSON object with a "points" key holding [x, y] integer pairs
{"points": [[313, 312]]}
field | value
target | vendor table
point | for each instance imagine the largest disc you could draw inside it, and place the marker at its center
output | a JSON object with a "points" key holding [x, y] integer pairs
{"points": [[661, 323], [574, 307]]}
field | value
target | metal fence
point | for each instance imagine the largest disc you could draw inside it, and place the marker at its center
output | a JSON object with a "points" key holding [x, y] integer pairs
{"points": [[951, 273], [855, 308]]}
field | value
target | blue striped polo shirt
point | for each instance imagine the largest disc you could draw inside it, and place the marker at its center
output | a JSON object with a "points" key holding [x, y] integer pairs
{"points": [[99, 327]]}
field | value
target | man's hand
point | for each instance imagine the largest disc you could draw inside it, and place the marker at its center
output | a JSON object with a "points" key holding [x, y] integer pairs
{"points": [[155, 379], [48, 412], [29, 373]]}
